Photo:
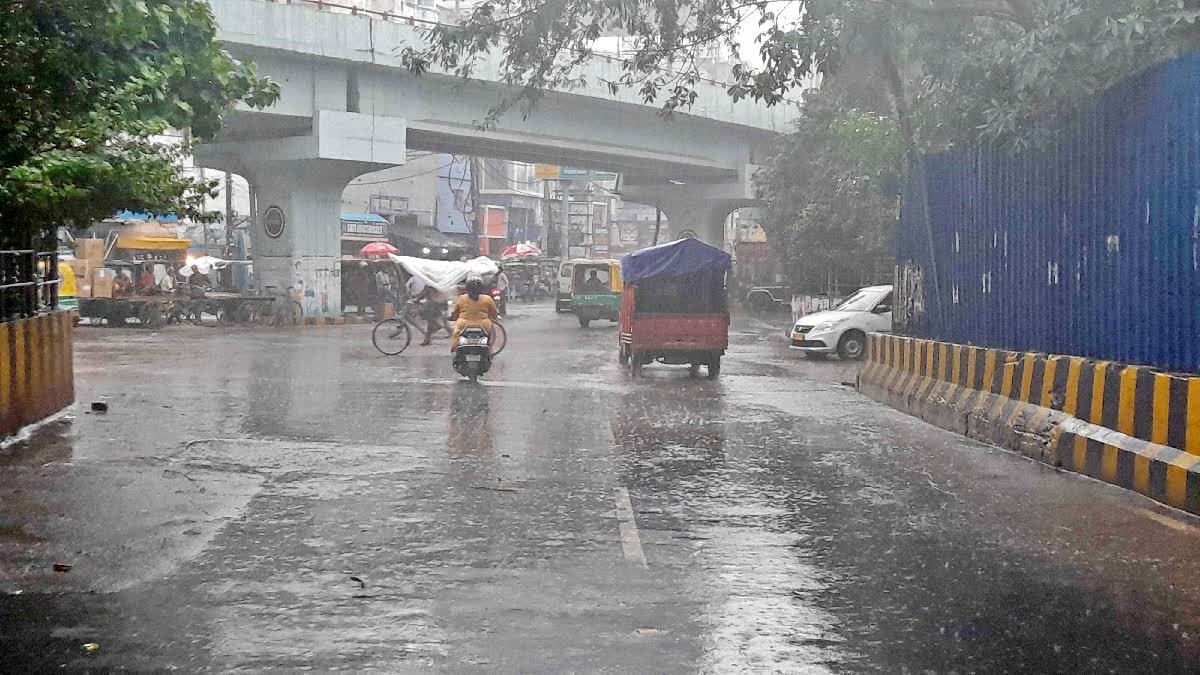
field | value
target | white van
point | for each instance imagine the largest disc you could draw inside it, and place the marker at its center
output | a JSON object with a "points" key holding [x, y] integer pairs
{"points": [[562, 298]]}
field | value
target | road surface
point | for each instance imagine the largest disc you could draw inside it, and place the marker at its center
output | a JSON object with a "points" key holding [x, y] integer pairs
{"points": [[290, 500]]}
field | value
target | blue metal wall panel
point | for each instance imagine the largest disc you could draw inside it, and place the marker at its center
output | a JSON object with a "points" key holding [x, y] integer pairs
{"points": [[1090, 246]]}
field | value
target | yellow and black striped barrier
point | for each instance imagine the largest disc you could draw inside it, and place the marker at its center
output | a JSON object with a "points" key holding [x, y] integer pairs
{"points": [[1131, 426], [37, 377]]}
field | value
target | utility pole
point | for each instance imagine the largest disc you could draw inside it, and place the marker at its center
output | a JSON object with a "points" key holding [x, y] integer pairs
{"points": [[566, 218], [547, 215], [228, 214]]}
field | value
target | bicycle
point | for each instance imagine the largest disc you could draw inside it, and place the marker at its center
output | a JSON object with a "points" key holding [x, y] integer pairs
{"points": [[281, 311], [392, 336]]}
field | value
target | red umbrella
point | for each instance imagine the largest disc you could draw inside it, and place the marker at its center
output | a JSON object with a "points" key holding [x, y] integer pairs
{"points": [[378, 248], [521, 251]]}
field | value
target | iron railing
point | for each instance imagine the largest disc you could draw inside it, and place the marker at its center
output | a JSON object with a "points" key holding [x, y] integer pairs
{"points": [[28, 283]]}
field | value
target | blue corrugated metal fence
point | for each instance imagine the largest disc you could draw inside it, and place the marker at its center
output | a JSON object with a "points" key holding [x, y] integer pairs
{"points": [[1090, 246]]}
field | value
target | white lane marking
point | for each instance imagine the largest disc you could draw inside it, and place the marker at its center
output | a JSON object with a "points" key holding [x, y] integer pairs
{"points": [[1166, 521], [630, 541]]}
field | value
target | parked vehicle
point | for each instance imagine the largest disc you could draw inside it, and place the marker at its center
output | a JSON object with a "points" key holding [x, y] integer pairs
{"points": [[562, 301], [597, 299], [766, 299], [474, 354], [674, 308], [844, 328]]}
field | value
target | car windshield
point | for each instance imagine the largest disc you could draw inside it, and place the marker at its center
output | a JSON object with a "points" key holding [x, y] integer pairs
{"points": [[861, 301]]}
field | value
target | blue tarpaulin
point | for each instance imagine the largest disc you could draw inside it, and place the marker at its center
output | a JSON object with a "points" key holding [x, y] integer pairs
{"points": [[676, 259], [364, 218]]}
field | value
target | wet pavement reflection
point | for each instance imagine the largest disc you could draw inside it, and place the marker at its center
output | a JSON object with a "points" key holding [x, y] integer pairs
{"points": [[293, 500]]}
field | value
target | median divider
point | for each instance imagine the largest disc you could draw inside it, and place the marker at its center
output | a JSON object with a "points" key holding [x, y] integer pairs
{"points": [[1131, 426]]}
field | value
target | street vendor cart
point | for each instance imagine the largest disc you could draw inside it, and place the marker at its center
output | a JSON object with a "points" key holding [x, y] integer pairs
{"points": [[674, 308]]}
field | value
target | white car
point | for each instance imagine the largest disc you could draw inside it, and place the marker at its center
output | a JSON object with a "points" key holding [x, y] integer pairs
{"points": [[844, 328]]}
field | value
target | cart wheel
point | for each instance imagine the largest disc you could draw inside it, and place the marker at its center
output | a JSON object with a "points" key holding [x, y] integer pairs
{"points": [[636, 369], [225, 315], [151, 315], [243, 313], [622, 357], [714, 366], [117, 313]]}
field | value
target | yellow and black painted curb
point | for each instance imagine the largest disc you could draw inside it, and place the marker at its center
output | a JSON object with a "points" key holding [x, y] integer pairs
{"points": [[37, 376], [1131, 426]]}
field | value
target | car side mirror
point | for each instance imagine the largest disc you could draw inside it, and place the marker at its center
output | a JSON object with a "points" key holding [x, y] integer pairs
{"points": [[882, 309]]}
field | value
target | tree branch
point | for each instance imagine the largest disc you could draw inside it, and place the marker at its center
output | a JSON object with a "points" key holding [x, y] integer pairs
{"points": [[969, 12]]}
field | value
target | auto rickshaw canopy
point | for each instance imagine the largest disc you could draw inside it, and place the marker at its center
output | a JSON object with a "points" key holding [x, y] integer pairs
{"points": [[680, 258]]}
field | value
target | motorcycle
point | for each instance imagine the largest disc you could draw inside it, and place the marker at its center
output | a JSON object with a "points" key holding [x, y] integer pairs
{"points": [[474, 354], [501, 300]]}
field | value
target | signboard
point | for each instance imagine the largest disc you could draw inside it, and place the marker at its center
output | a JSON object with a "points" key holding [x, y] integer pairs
{"points": [[358, 228], [567, 173], [273, 222], [546, 171], [495, 222]]}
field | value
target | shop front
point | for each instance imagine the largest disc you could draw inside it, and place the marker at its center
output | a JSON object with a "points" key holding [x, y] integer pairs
{"points": [[360, 229]]}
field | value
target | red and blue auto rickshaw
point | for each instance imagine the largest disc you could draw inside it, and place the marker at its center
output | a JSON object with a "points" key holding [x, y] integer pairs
{"points": [[674, 308]]}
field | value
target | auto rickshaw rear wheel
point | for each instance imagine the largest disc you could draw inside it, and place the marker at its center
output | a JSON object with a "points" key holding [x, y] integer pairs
{"points": [[714, 366]]}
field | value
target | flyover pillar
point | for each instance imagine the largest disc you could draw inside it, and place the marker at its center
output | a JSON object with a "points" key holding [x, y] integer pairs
{"points": [[698, 208], [296, 235]]}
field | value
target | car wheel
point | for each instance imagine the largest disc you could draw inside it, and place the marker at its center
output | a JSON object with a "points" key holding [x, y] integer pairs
{"points": [[852, 345]]}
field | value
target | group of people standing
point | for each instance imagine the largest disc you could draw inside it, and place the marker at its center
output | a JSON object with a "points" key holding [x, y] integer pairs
{"points": [[159, 278]]}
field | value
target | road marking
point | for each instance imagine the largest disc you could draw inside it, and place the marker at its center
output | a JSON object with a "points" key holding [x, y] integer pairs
{"points": [[630, 541], [1166, 521]]}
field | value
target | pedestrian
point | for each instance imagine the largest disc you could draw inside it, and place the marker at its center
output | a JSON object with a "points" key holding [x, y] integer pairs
{"points": [[361, 283], [502, 281], [383, 282], [432, 311], [167, 283], [145, 282]]}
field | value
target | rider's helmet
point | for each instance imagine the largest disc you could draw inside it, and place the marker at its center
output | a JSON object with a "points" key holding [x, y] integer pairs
{"points": [[474, 284]]}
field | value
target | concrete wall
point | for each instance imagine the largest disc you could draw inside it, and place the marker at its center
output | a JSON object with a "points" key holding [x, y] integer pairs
{"points": [[417, 181], [37, 376]]}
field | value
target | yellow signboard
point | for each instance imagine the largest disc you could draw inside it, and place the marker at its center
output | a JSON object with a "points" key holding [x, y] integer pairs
{"points": [[546, 171]]}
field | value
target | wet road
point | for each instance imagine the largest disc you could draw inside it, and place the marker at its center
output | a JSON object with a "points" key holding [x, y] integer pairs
{"points": [[294, 500]]}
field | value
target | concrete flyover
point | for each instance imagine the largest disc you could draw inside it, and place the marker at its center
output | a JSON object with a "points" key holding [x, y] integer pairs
{"points": [[348, 107]]}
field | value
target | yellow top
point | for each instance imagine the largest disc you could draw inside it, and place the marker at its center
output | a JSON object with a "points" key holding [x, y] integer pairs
{"points": [[66, 287], [474, 310]]}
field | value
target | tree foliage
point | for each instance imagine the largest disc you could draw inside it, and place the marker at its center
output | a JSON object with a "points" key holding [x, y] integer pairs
{"points": [[897, 76], [87, 85], [831, 194]]}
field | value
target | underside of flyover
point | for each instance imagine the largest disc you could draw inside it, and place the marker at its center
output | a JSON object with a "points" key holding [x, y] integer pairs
{"points": [[347, 108]]}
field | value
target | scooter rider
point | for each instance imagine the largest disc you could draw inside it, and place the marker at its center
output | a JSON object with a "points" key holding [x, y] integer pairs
{"points": [[472, 308]]}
